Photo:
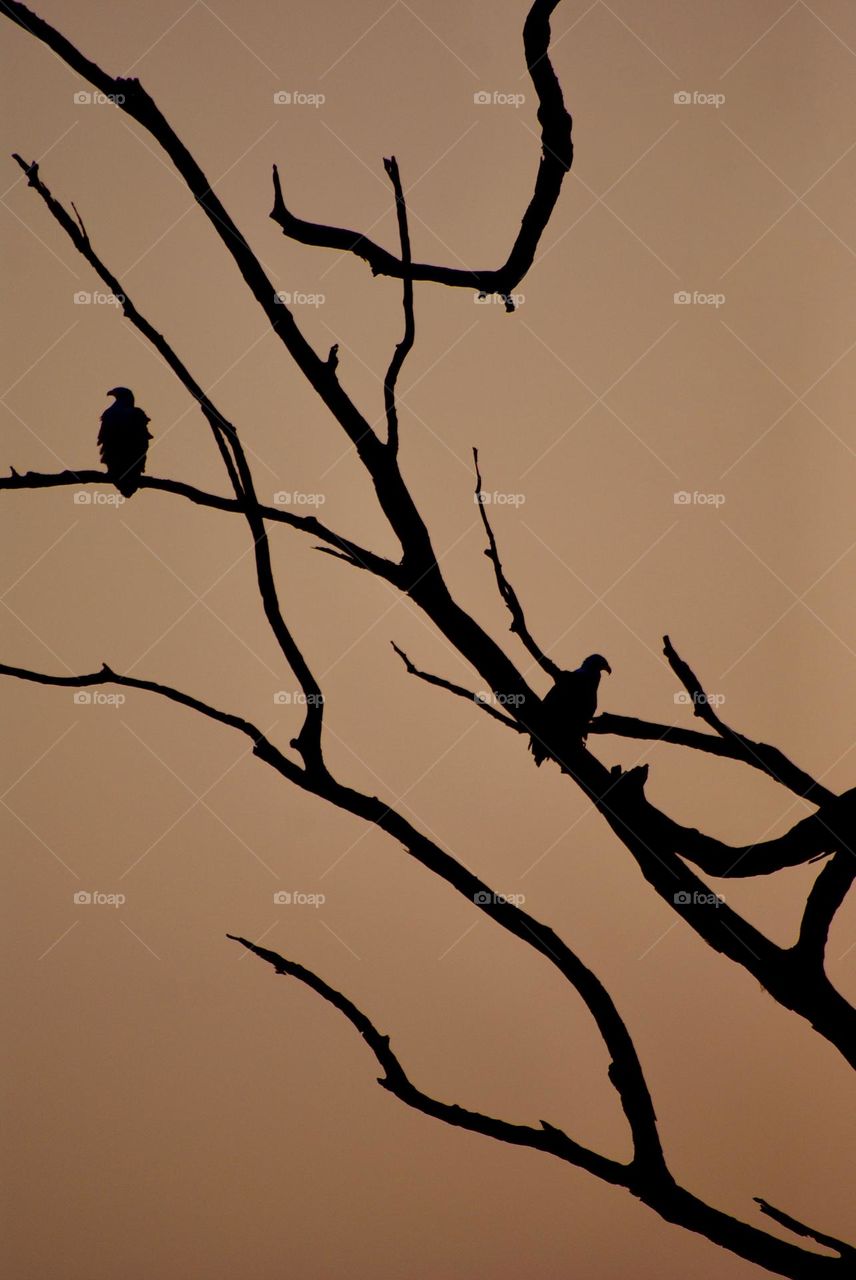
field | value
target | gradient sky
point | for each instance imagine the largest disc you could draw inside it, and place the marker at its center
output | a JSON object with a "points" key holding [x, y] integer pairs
{"points": [[172, 1109]]}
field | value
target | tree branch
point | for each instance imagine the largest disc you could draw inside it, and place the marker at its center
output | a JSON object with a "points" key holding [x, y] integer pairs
{"points": [[659, 1191], [352, 551], [768, 759], [457, 689], [847, 1252], [556, 158], [395, 1080], [509, 595], [404, 347]]}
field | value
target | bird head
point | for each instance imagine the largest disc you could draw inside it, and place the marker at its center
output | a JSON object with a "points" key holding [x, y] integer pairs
{"points": [[596, 662], [123, 395]]}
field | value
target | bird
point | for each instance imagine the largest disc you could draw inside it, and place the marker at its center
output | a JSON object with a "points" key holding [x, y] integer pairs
{"points": [[566, 711], [123, 441]]}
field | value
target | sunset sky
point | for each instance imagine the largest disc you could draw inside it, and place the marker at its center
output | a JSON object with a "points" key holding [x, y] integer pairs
{"points": [[666, 426]]}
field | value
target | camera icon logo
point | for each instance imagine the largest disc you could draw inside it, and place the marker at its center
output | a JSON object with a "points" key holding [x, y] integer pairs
{"points": [[682, 897], [282, 98], [481, 98], [682, 298], [82, 898], [682, 498], [482, 898], [82, 698], [282, 898], [682, 98], [82, 498], [82, 97]]}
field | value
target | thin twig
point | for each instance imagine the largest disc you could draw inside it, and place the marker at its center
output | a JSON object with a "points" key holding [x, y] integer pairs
{"points": [[769, 759], [458, 690], [509, 595]]}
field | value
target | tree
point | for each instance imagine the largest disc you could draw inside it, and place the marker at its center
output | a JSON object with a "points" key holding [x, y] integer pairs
{"points": [[795, 976]]}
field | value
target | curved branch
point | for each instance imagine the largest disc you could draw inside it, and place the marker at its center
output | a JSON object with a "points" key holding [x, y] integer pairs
{"points": [[405, 346], [395, 1080], [658, 1191], [356, 555], [557, 155]]}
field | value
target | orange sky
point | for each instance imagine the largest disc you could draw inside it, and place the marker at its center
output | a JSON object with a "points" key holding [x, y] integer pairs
{"points": [[174, 1111]]}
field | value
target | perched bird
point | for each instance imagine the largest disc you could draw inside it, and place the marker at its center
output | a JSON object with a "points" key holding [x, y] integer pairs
{"points": [[567, 710], [123, 441]]}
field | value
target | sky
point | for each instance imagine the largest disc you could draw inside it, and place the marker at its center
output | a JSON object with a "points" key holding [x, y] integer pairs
{"points": [[665, 425]]}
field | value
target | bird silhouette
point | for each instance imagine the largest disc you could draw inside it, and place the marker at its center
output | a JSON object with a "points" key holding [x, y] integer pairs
{"points": [[566, 711], [123, 441]]}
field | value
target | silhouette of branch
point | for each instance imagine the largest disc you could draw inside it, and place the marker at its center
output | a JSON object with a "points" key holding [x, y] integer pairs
{"points": [[768, 759], [509, 595], [404, 347], [262, 747], [308, 740], [847, 1252], [811, 837], [353, 553], [660, 1191], [556, 158], [395, 1080], [458, 690]]}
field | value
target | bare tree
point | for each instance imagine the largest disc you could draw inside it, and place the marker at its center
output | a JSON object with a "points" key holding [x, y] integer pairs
{"points": [[671, 857]]}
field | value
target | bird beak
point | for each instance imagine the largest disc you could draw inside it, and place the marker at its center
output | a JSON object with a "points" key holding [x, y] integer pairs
{"points": [[607, 667]]}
